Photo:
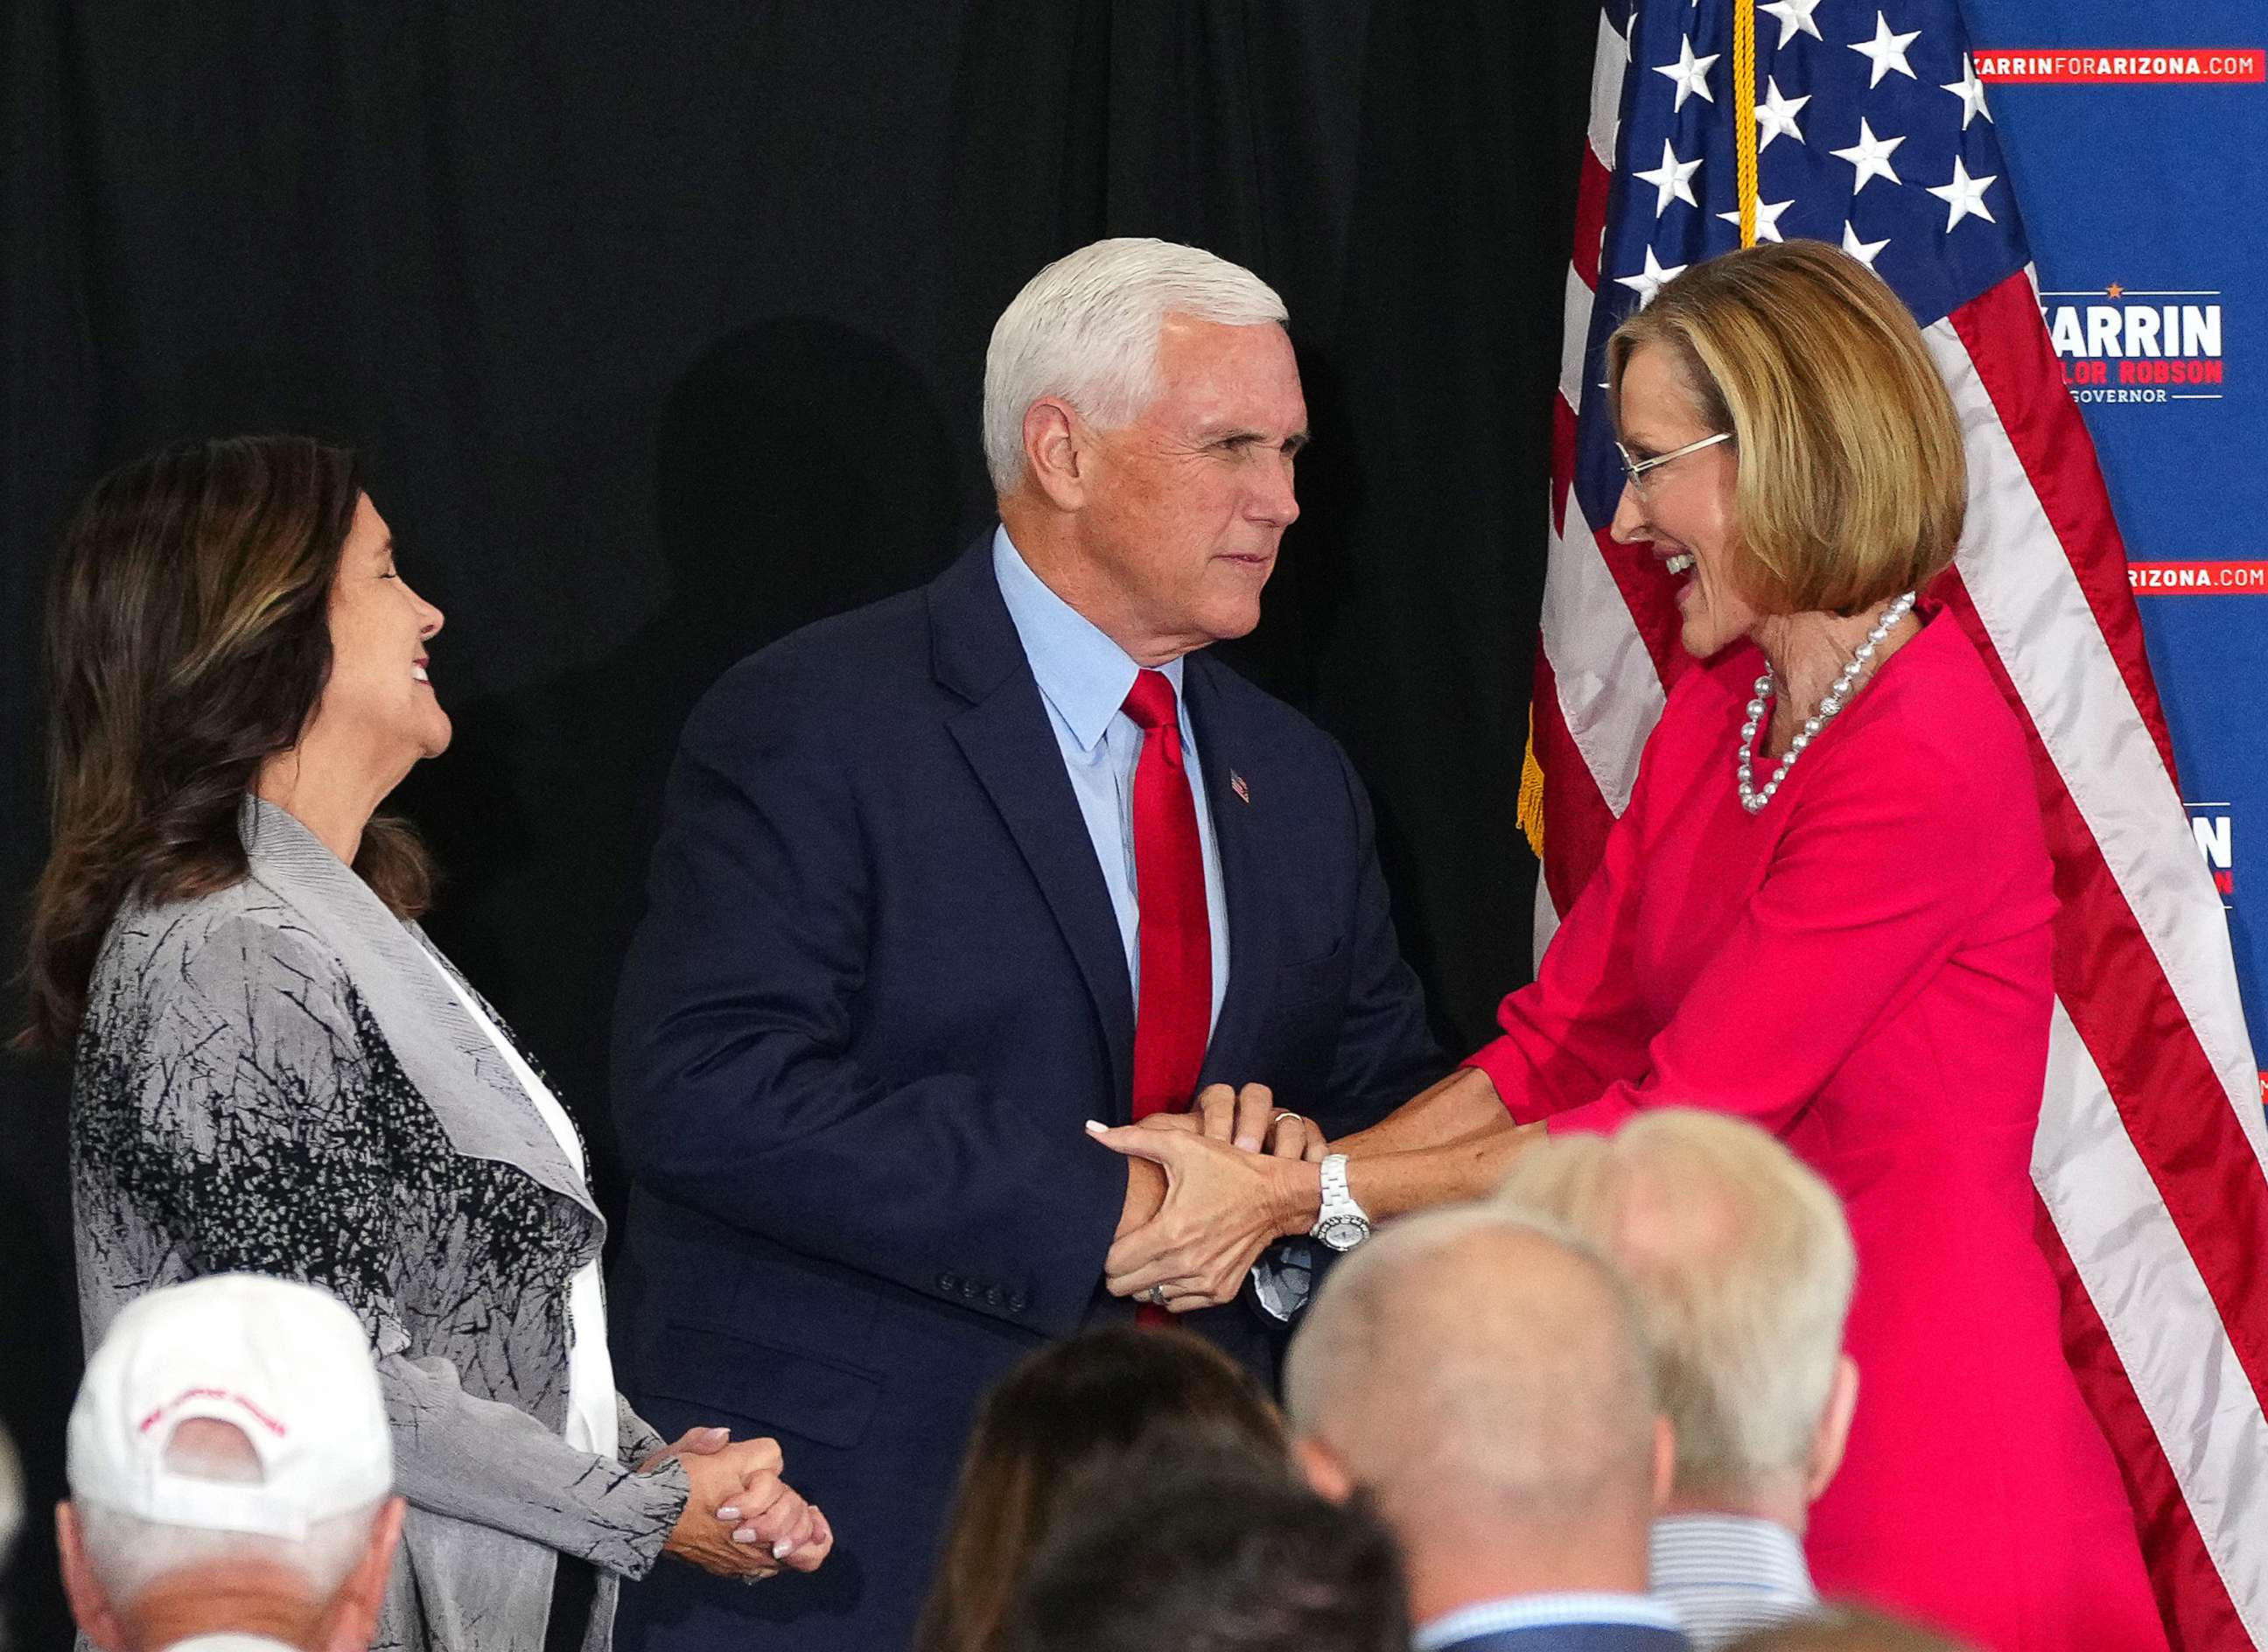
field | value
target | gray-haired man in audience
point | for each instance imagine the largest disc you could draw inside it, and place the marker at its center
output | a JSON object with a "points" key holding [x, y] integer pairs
{"points": [[1743, 1265], [231, 1481], [1484, 1376]]}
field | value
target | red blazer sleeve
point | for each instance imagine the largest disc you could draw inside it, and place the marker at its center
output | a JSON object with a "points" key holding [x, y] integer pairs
{"points": [[1872, 890]]}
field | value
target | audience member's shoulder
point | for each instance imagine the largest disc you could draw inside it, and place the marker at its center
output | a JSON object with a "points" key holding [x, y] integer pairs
{"points": [[240, 946]]}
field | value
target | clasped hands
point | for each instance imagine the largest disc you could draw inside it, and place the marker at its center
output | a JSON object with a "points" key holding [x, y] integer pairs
{"points": [[742, 1519], [1239, 1172]]}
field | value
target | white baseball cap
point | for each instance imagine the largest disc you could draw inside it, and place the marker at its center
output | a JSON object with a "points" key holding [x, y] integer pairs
{"points": [[286, 1363]]}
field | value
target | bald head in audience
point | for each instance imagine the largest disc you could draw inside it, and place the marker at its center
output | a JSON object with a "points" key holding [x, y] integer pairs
{"points": [[1484, 1376]]}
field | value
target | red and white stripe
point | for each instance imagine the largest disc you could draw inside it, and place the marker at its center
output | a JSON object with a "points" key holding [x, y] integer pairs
{"points": [[2149, 1158]]}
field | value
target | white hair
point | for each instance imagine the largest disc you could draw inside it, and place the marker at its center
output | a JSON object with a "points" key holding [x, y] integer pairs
{"points": [[1483, 1361], [128, 1554], [1743, 1264], [1085, 328]]}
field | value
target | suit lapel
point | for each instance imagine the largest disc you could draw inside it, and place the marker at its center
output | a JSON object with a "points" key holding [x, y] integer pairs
{"points": [[1238, 829], [452, 1061], [1006, 736]]}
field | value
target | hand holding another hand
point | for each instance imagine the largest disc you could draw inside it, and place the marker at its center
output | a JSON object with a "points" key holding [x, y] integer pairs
{"points": [[741, 1520], [1222, 1205]]}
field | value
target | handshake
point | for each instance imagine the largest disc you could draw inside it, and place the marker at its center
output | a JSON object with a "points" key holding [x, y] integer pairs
{"points": [[1227, 1179], [742, 1519]]}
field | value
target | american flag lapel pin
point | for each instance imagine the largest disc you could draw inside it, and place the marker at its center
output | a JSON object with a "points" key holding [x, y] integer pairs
{"points": [[1236, 785]]}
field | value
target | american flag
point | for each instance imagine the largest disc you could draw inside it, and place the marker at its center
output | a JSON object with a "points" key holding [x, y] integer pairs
{"points": [[1871, 132]]}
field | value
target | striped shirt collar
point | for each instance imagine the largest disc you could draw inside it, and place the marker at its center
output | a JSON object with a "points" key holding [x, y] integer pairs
{"points": [[1537, 1612], [1725, 1574]]}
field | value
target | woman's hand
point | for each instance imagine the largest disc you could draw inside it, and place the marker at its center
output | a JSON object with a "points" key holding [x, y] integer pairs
{"points": [[742, 1519], [1249, 1118], [1222, 1208]]}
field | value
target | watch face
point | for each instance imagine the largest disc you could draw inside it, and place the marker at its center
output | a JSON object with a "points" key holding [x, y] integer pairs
{"points": [[1342, 1233]]}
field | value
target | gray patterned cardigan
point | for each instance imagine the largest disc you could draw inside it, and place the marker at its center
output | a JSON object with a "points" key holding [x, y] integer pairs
{"points": [[274, 1079]]}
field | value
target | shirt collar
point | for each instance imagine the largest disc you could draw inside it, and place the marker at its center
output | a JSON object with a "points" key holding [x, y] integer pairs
{"points": [[1084, 674], [1717, 1551], [1537, 1612], [229, 1640]]}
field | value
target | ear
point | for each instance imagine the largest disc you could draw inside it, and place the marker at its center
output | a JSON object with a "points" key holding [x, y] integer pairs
{"points": [[1834, 1429], [1325, 1473], [350, 1620], [89, 1607], [1665, 1461], [1056, 458]]}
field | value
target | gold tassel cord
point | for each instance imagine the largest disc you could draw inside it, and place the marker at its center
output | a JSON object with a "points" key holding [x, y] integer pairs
{"points": [[1745, 114], [1529, 812]]}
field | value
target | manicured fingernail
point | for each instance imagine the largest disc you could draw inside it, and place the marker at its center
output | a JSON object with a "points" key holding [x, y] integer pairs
{"points": [[746, 1534], [784, 1547], [728, 1513], [1095, 1129]]}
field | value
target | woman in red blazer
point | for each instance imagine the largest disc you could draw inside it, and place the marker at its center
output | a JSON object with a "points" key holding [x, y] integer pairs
{"points": [[1827, 909]]}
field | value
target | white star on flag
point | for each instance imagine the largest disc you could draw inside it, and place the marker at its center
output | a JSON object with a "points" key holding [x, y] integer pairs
{"points": [[1648, 281], [1672, 179], [1775, 115], [1964, 195], [1970, 91], [1767, 219], [1886, 51], [1691, 73], [1871, 155], [1863, 251], [1795, 18]]}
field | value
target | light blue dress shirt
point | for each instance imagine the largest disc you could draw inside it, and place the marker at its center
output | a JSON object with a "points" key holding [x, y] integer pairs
{"points": [[1084, 678], [1537, 1612]]}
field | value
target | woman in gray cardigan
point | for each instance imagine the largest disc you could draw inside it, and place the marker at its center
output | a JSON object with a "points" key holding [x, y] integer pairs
{"points": [[276, 1071]]}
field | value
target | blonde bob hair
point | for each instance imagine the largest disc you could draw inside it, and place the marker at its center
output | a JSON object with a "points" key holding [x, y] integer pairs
{"points": [[1742, 1266], [1850, 484]]}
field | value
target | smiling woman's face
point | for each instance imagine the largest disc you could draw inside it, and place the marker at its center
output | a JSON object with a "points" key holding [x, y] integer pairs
{"points": [[378, 703], [1683, 508]]}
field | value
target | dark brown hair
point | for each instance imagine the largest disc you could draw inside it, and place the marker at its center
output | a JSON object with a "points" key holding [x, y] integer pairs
{"points": [[188, 641], [1093, 1397]]}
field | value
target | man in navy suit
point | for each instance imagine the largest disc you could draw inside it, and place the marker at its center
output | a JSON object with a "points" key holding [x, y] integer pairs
{"points": [[944, 878], [1484, 1375]]}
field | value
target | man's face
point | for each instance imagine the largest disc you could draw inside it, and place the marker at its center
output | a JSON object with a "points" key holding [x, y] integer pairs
{"points": [[1189, 501]]}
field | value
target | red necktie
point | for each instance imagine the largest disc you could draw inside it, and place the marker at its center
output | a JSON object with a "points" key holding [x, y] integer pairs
{"points": [[1173, 1016]]}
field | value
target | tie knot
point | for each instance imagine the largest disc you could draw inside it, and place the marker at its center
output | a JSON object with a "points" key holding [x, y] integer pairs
{"points": [[1149, 702]]}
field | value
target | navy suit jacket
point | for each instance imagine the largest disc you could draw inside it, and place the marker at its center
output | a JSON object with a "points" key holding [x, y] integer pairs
{"points": [[878, 989]]}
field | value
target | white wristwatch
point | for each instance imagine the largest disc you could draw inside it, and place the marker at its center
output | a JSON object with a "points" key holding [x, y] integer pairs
{"points": [[1341, 1224]]}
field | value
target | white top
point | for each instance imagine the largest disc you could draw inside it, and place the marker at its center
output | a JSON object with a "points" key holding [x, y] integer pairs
{"points": [[230, 1640], [592, 1425]]}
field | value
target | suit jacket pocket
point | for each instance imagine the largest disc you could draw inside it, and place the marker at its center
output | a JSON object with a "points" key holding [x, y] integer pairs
{"points": [[768, 1390], [1312, 980]]}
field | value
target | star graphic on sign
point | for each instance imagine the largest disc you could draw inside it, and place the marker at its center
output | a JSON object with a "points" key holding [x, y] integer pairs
{"points": [[1794, 19], [1871, 155], [1776, 116], [1886, 51], [1648, 281], [1964, 195], [1691, 73], [1767, 218], [1970, 91], [1672, 181], [1863, 251], [2114, 291]]}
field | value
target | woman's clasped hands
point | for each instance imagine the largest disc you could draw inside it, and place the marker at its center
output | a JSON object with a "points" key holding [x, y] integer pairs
{"points": [[1240, 1173], [742, 1519]]}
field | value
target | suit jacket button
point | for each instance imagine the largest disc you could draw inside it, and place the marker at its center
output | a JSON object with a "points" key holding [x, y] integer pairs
{"points": [[1018, 1302], [946, 1282], [969, 1287], [992, 1294]]}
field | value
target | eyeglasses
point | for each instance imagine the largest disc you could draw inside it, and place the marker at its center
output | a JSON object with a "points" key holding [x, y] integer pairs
{"points": [[1635, 469]]}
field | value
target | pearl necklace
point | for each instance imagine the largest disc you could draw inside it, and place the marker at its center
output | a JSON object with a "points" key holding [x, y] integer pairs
{"points": [[1835, 699]]}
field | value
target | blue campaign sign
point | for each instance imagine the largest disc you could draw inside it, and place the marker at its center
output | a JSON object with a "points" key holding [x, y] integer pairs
{"points": [[2137, 138]]}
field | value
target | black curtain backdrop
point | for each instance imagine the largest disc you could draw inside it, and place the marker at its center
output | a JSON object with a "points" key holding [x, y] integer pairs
{"points": [[664, 330]]}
